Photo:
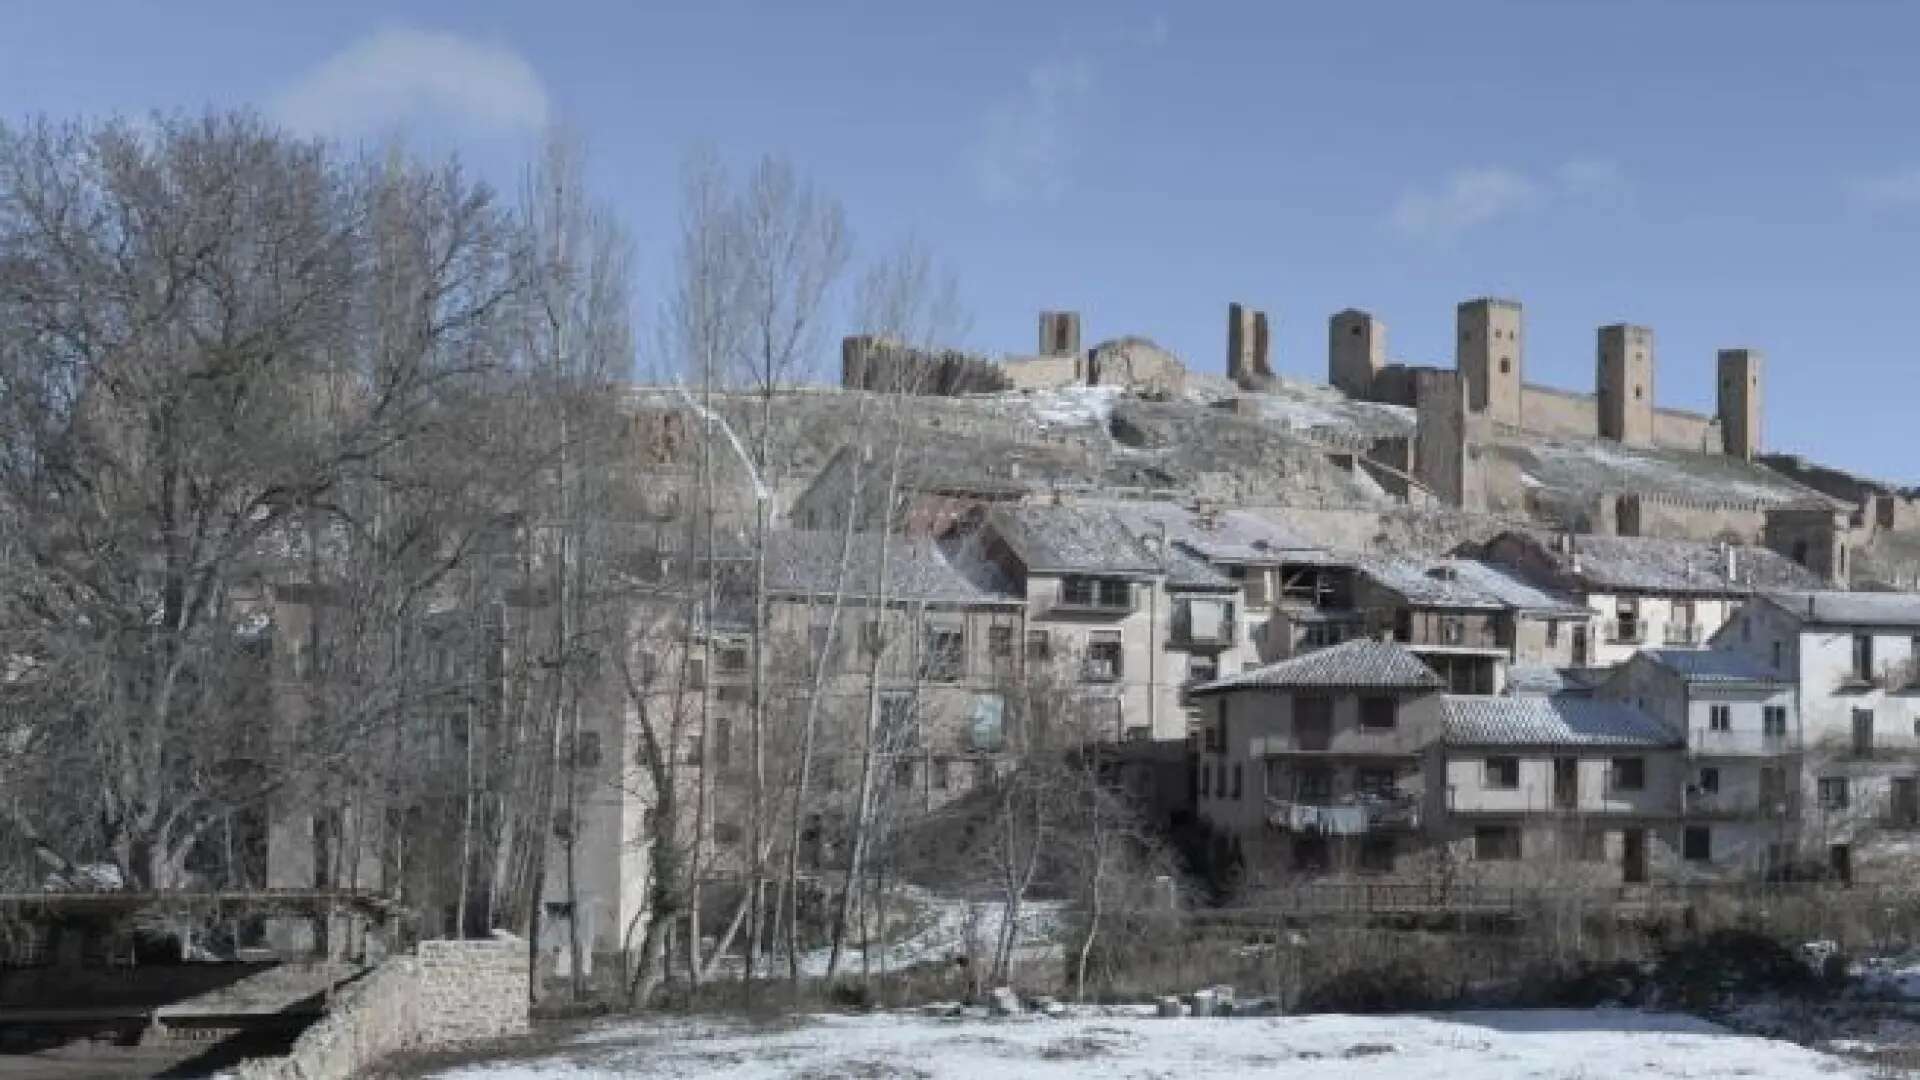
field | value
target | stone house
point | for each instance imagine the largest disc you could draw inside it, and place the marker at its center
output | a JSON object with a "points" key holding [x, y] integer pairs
{"points": [[1125, 623], [1468, 620], [1740, 803], [1313, 765], [1556, 791], [1645, 591], [1853, 658]]}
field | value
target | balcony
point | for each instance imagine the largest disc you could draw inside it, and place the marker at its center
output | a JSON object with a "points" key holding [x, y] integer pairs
{"points": [[1729, 804], [1708, 742], [1349, 817]]}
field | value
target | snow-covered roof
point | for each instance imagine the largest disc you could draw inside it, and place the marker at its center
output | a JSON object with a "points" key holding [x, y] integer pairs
{"points": [[1188, 571], [808, 562], [1464, 584], [1834, 608], [1713, 666], [1061, 538], [1650, 564], [1551, 721], [1362, 664], [1233, 537]]}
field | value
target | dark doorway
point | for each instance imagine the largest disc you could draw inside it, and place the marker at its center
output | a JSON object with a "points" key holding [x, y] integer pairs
{"points": [[1840, 861], [1906, 800], [1633, 856]]}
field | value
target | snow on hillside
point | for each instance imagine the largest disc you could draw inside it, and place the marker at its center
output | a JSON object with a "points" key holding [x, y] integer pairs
{"points": [[1616, 1044]]}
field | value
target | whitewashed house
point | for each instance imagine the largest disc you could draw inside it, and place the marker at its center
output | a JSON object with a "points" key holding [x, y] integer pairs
{"points": [[1740, 801], [1646, 591], [1855, 660]]}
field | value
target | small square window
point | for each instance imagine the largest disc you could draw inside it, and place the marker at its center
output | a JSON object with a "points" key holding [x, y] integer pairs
{"points": [[1496, 843], [1720, 718], [1378, 713], [1698, 844], [1833, 793], [1503, 773], [1710, 780], [1629, 774]]}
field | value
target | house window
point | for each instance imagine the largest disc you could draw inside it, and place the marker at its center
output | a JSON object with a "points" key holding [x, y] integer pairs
{"points": [[897, 728], [1698, 844], [1103, 657], [1503, 773], [1314, 784], [946, 653], [1720, 718], [1863, 657], [1553, 633], [1312, 722], [697, 673], [1202, 669], [1236, 780], [942, 777], [1863, 732], [903, 772], [1709, 781], [1833, 793], [1496, 843], [1378, 712], [1626, 620], [1377, 783], [986, 723], [722, 741], [733, 659], [1773, 720], [1451, 630], [1039, 646], [588, 754], [1109, 593], [1629, 774], [872, 641], [1000, 642], [984, 774], [734, 693]]}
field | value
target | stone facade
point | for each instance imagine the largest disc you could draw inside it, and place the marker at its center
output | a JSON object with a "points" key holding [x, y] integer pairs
{"points": [[1138, 365], [446, 994], [1356, 352], [1059, 334], [1490, 354], [1248, 364], [1624, 378], [1740, 402]]}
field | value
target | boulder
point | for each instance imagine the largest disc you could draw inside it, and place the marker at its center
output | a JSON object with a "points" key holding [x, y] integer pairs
{"points": [[1003, 1001]]}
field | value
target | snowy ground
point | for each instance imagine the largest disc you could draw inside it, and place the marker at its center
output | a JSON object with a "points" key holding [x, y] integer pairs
{"points": [[941, 933], [1544, 1044]]}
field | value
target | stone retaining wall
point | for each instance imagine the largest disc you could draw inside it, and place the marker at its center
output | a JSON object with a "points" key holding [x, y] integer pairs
{"points": [[446, 993]]}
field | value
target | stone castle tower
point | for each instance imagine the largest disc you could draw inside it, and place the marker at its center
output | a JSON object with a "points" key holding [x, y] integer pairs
{"points": [[1059, 333], [1740, 402], [1490, 354], [1356, 351], [1624, 382], [1247, 362]]}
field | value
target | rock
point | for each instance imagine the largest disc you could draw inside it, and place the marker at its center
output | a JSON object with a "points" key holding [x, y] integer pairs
{"points": [[1003, 1001], [1172, 1006], [1257, 1006], [1048, 1006], [975, 1012], [941, 1008]]}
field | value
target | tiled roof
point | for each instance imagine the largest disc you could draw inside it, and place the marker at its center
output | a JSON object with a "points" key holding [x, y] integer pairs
{"points": [[1650, 564], [1551, 721], [1220, 536], [1062, 538], [1546, 679], [1188, 571], [1464, 583], [1361, 664], [807, 561], [1851, 608], [1713, 666]]}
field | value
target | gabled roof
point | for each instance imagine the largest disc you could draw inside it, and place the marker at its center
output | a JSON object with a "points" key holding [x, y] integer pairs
{"points": [[1649, 564], [1714, 666], [1060, 538], [1362, 664], [1551, 722], [1234, 537], [1834, 608], [808, 562], [1465, 584]]}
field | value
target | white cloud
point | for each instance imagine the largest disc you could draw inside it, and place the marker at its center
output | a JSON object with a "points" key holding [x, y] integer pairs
{"points": [[1468, 198], [1888, 191], [400, 74], [1027, 144]]}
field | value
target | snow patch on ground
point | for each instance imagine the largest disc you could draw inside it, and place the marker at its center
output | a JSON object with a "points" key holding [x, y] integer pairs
{"points": [[1563, 1044], [1305, 406], [942, 934], [1073, 406]]}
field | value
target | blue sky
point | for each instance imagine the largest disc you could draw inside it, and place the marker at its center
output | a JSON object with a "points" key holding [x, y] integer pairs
{"points": [[1729, 173]]}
